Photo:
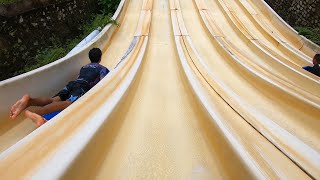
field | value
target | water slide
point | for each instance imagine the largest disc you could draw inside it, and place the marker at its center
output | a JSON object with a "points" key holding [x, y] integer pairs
{"points": [[198, 89]]}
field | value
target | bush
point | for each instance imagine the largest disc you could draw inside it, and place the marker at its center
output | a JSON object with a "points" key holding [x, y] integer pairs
{"points": [[99, 20], [108, 6], [8, 1], [45, 57], [60, 49], [311, 33]]}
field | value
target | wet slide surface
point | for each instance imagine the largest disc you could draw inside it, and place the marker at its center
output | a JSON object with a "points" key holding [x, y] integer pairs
{"points": [[199, 89]]}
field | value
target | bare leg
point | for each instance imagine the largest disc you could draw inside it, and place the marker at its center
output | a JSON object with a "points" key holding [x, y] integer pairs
{"points": [[42, 101], [57, 98], [27, 101], [52, 107], [37, 119], [36, 116]]}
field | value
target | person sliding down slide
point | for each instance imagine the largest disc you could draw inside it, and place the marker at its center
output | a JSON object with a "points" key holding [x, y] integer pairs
{"points": [[316, 68], [89, 76]]}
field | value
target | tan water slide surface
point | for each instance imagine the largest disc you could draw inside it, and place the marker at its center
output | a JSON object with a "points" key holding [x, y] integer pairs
{"points": [[198, 89]]}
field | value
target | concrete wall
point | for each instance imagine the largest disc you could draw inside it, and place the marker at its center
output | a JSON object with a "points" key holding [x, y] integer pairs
{"points": [[298, 12]]}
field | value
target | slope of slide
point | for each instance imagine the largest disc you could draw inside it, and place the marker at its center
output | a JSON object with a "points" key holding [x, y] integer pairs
{"points": [[114, 42], [198, 89]]}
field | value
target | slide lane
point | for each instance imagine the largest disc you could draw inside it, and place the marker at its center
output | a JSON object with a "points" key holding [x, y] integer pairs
{"points": [[73, 131], [13, 131], [123, 38]]}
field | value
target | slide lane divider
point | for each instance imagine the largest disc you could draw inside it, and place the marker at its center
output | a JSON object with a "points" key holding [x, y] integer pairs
{"points": [[57, 161]]}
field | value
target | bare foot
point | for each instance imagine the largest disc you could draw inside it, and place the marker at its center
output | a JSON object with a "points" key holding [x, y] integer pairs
{"points": [[19, 106], [36, 118]]}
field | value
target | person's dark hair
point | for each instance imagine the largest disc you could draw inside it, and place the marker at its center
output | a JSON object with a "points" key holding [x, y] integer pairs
{"points": [[95, 55], [317, 57]]}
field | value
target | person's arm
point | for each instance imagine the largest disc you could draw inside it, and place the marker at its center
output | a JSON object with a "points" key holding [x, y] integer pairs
{"points": [[79, 73], [103, 72]]}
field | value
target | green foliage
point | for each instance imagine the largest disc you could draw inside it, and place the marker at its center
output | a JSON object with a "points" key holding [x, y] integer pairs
{"points": [[50, 55], [108, 6], [60, 49], [8, 1], [311, 33], [99, 20], [45, 57]]}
